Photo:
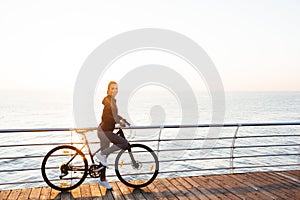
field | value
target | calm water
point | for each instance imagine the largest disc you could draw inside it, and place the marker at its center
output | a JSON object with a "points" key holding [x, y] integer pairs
{"points": [[40, 109]]}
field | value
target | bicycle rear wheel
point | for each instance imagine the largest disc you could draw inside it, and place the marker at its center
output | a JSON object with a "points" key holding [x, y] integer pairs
{"points": [[64, 168], [138, 168]]}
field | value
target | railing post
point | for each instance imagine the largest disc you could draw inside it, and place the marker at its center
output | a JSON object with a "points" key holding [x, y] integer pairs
{"points": [[232, 149], [71, 137], [299, 157], [159, 137]]}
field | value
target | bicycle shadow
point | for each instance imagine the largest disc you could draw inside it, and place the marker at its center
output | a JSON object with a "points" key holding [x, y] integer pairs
{"points": [[129, 194], [123, 192], [110, 194]]}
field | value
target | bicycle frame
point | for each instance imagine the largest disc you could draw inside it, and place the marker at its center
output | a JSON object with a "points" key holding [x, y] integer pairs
{"points": [[86, 144]]}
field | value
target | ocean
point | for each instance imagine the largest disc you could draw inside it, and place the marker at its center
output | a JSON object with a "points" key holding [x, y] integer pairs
{"points": [[49, 109]]}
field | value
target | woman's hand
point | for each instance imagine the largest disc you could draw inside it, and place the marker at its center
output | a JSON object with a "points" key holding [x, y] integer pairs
{"points": [[122, 123]]}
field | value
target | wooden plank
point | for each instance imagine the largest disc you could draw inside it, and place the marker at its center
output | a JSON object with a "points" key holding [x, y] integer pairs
{"points": [[66, 195], [14, 194], [127, 193], [180, 187], [286, 185], [194, 188], [250, 192], [218, 189], [152, 187], [136, 192], [165, 190], [116, 192], [219, 192], [76, 194], [55, 194], [25, 193], [290, 177], [4, 194], [242, 178], [235, 188], [257, 192], [85, 191], [189, 188], [261, 182], [95, 191], [161, 192], [35, 193], [45, 193], [105, 193], [206, 188], [147, 193], [280, 185], [174, 190], [293, 173], [222, 188]]}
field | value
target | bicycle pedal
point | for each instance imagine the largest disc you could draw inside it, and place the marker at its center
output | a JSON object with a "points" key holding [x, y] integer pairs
{"points": [[98, 169]]}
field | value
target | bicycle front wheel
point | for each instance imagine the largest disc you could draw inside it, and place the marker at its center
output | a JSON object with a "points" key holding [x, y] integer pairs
{"points": [[137, 168], [64, 168]]}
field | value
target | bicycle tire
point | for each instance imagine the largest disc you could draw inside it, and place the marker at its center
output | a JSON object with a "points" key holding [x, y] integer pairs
{"points": [[49, 181], [135, 184]]}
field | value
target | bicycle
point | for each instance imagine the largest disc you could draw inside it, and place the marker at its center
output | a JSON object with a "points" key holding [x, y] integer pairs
{"points": [[66, 167]]}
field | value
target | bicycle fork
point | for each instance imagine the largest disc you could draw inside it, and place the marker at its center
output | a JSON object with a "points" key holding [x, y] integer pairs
{"points": [[134, 163]]}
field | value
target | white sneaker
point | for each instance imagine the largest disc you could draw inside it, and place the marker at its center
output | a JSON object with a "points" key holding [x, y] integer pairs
{"points": [[105, 184], [101, 159]]}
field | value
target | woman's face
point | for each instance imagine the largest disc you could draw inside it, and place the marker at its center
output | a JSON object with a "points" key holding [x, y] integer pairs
{"points": [[113, 90]]}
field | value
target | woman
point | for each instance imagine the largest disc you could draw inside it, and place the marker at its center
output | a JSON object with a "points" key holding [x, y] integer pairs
{"points": [[110, 117]]}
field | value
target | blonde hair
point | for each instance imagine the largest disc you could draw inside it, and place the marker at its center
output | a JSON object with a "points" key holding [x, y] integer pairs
{"points": [[109, 84]]}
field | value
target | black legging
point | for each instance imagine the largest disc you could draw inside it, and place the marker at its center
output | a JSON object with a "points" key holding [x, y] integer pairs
{"points": [[107, 137]]}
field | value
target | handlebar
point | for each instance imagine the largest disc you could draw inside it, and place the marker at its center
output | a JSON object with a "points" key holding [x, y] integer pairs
{"points": [[126, 122], [84, 131]]}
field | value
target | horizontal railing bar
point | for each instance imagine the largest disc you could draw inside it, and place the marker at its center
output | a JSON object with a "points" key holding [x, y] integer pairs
{"points": [[46, 144], [269, 145], [209, 158], [29, 145], [155, 127], [214, 148], [215, 138], [189, 159], [22, 182], [216, 125], [180, 149], [264, 136], [21, 157], [161, 140], [270, 155], [221, 158], [17, 170]]}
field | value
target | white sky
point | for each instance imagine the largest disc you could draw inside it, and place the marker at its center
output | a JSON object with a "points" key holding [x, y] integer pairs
{"points": [[255, 44]]}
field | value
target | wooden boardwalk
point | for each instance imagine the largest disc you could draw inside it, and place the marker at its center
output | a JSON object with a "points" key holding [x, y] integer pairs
{"points": [[258, 185]]}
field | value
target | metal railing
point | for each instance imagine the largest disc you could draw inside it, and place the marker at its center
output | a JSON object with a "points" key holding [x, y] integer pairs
{"points": [[238, 149]]}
